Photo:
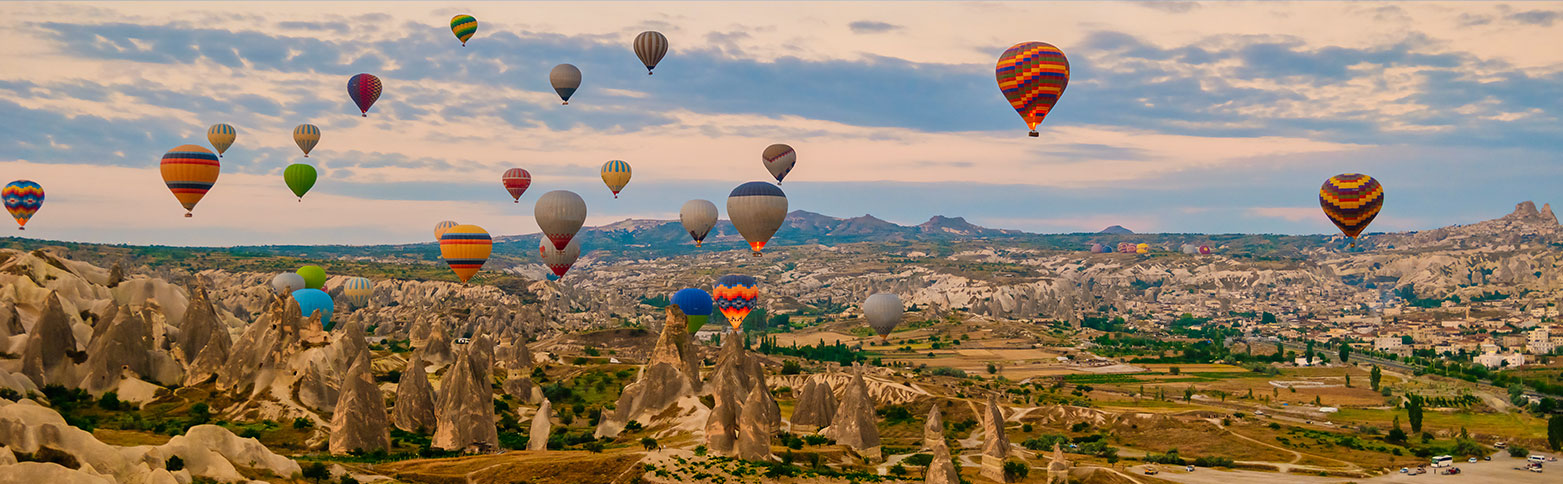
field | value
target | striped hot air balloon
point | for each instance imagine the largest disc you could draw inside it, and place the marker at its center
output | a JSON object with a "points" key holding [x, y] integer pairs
{"points": [[735, 298], [516, 181], [650, 46], [559, 261], [189, 171], [565, 78], [465, 248], [365, 90], [778, 159], [1032, 75], [221, 136], [306, 136], [358, 290], [463, 26], [757, 210], [1351, 200], [440, 228], [698, 217], [22, 199], [560, 214], [616, 174]]}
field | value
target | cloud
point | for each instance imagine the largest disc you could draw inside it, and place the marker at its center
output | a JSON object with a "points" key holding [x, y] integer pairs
{"points": [[1290, 214], [1543, 18], [872, 27]]}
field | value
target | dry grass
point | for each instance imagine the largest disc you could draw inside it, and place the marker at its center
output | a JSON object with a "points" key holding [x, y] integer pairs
{"points": [[554, 467]]}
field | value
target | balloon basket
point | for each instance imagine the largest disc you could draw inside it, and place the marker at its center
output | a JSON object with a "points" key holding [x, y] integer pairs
{"points": [[697, 243], [755, 253], [189, 215], [21, 228], [566, 103], [516, 201], [366, 115], [1034, 134]]}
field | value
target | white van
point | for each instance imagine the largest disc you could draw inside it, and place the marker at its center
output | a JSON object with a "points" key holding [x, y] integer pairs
{"points": [[1537, 458]]}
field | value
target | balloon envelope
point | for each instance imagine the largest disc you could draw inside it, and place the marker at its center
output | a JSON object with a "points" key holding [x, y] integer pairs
{"points": [[695, 303], [516, 181], [735, 297], [221, 137], [1032, 76], [757, 210], [189, 171], [883, 311], [463, 26], [559, 261], [311, 300], [616, 174], [358, 290], [23, 198], [306, 136], [566, 79], [314, 276], [1351, 201], [698, 217], [650, 46], [465, 248], [300, 178], [287, 282], [778, 159], [440, 228], [1204, 249], [560, 214], [365, 90]]}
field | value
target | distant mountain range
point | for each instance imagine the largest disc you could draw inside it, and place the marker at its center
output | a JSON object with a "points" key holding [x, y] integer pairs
{"points": [[1116, 230], [800, 227]]}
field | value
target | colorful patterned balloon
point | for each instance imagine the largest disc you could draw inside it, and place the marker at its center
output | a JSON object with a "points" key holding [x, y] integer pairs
{"points": [[463, 26], [616, 174], [650, 46], [22, 199], [189, 171], [440, 228], [364, 89], [1204, 250], [516, 181], [300, 178], [221, 136], [306, 136], [1033, 75], [465, 248], [1351, 201], [735, 297]]}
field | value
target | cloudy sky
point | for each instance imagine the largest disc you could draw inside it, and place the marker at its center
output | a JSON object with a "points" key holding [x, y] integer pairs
{"points": [[1179, 117]]}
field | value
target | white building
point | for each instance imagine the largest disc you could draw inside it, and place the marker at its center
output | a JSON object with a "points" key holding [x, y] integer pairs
{"points": [[1386, 343], [1540, 342], [1495, 360]]}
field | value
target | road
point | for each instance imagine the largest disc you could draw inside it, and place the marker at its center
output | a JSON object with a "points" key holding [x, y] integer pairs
{"points": [[1500, 469], [1404, 368]]}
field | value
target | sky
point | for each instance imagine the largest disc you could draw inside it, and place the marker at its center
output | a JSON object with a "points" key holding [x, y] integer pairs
{"points": [[1191, 117]]}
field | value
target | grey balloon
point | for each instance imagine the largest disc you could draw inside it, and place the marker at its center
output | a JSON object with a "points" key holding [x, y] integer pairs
{"points": [[566, 79], [560, 214], [698, 217], [287, 282], [883, 311]]}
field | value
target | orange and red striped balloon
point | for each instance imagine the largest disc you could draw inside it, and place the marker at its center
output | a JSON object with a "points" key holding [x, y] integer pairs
{"points": [[189, 171], [1033, 75], [1351, 200]]}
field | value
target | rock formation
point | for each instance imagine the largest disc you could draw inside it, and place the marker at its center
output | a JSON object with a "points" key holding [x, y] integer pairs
{"points": [[995, 445], [1058, 468], [854, 424], [262, 349], [358, 422], [722, 424], [521, 386], [45, 360], [941, 470], [414, 410], [203, 341], [815, 409], [10, 321], [541, 426], [754, 426], [126, 346], [735, 360], [933, 429], [670, 375], [436, 350], [464, 413]]}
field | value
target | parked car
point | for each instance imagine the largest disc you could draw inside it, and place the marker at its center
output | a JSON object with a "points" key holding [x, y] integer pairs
{"points": [[1471, 460]]}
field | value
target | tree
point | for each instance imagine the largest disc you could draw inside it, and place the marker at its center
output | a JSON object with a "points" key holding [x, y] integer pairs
{"points": [[1348, 380], [1188, 394], [316, 471], [1374, 377], [1345, 352], [1517, 395], [648, 443], [1015, 470], [992, 369], [1174, 370], [1555, 432], [1414, 412], [1308, 356], [1396, 435]]}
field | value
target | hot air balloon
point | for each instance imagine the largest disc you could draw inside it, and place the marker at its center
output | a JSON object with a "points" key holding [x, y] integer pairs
{"points": [[312, 300], [516, 181], [440, 228], [1188, 249], [314, 276], [616, 174], [1097, 248], [287, 282], [1032, 75], [778, 159], [463, 26], [696, 304], [560, 214], [300, 178], [650, 46], [465, 248], [358, 290], [306, 136], [1142, 248], [1125, 248], [883, 311], [698, 217], [757, 210], [221, 136], [559, 261], [365, 90], [22, 199], [1204, 250], [189, 171], [735, 297], [1351, 200], [566, 79]]}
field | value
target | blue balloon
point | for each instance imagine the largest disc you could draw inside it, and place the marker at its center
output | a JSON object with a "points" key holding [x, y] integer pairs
{"points": [[311, 300], [693, 302]]}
